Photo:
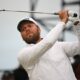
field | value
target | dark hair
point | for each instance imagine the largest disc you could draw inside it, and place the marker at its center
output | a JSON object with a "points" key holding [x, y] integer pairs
{"points": [[22, 22]]}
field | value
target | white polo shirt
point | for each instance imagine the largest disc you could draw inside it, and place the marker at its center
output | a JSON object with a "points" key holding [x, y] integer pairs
{"points": [[49, 59]]}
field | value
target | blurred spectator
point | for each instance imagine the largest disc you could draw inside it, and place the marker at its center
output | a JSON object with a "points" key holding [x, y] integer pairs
{"points": [[20, 74], [76, 66]]}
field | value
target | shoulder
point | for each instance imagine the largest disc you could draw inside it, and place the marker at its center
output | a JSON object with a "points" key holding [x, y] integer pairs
{"points": [[25, 49], [24, 52]]}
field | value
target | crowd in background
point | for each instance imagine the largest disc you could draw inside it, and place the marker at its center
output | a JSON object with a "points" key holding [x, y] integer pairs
{"points": [[20, 74], [16, 74]]}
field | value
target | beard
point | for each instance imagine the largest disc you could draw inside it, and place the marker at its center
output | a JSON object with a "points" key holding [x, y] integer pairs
{"points": [[31, 38]]}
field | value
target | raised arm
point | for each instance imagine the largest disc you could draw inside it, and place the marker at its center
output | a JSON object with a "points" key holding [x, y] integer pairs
{"points": [[73, 48], [29, 56]]}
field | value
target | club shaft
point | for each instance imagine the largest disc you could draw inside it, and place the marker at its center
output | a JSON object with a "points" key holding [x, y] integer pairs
{"points": [[29, 12]]}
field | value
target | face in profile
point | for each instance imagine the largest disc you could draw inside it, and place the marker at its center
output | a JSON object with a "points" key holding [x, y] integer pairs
{"points": [[30, 33]]}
